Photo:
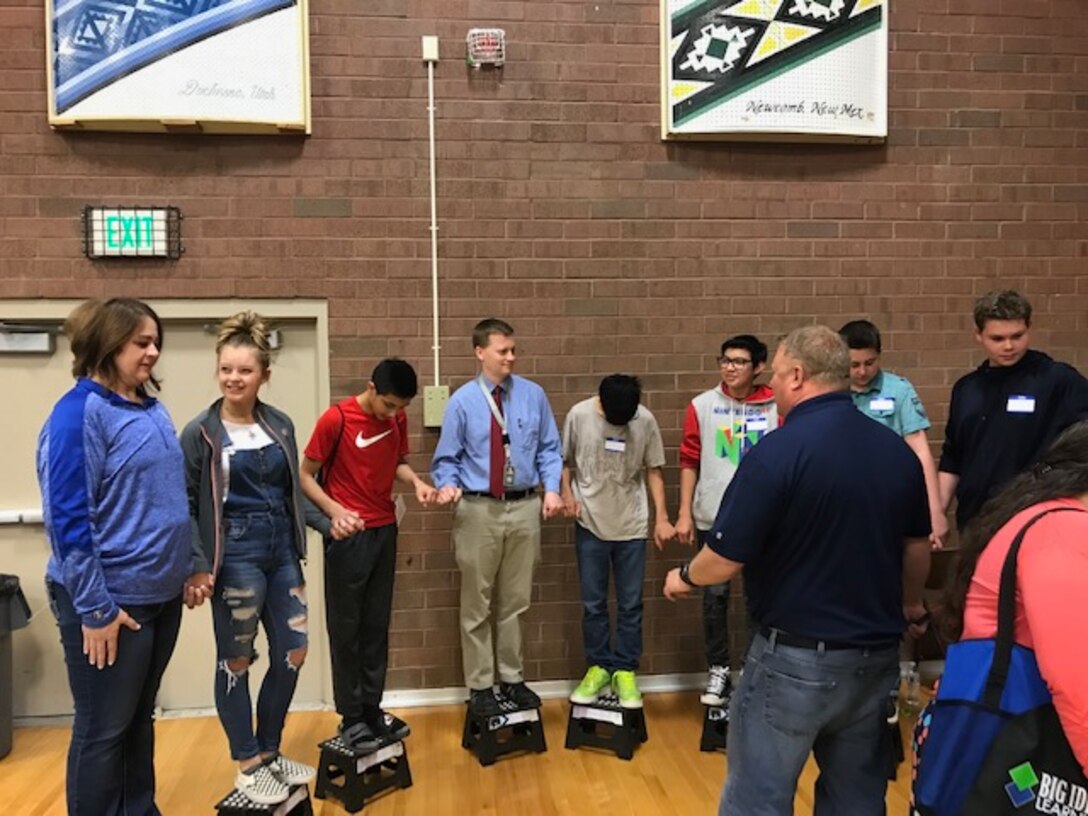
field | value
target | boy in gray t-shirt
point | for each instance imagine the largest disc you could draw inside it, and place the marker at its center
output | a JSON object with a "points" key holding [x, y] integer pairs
{"points": [[609, 441]]}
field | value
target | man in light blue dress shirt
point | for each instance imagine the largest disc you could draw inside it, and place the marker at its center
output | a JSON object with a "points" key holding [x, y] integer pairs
{"points": [[499, 442]]}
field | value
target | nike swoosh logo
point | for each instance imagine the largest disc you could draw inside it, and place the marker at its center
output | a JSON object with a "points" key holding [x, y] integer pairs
{"points": [[362, 442]]}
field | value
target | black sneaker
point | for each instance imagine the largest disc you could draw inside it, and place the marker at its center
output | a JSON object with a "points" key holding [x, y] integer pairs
{"points": [[520, 694], [360, 738], [483, 703], [392, 728]]}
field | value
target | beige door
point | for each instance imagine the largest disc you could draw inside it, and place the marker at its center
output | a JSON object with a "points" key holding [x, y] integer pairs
{"points": [[299, 386], [32, 383]]}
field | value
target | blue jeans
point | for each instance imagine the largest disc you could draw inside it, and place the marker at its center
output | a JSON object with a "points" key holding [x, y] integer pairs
{"points": [[627, 560], [111, 759], [259, 579], [791, 701]]}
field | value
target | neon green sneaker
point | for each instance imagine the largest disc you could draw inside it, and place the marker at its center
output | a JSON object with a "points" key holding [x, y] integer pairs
{"points": [[595, 681], [626, 688]]}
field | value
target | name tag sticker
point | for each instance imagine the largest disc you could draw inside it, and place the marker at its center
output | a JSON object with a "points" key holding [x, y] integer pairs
{"points": [[614, 444], [1020, 404], [882, 404], [756, 423]]}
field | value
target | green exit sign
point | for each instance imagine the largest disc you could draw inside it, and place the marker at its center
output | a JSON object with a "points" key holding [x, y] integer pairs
{"points": [[132, 232]]}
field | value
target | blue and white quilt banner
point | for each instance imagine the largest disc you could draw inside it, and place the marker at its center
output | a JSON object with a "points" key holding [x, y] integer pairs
{"points": [[231, 62], [774, 69]]}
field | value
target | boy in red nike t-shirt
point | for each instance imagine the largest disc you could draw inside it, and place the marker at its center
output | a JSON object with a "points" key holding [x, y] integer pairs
{"points": [[360, 446]]}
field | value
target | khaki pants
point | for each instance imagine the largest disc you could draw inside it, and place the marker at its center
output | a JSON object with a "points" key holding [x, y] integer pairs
{"points": [[497, 544]]}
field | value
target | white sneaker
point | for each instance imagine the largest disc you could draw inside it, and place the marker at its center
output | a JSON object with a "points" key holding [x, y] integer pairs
{"points": [[289, 772], [718, 687], [260, 785]]}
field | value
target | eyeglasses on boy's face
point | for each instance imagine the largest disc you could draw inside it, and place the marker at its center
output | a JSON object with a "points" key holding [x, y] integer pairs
{"points": [[734, 362]]}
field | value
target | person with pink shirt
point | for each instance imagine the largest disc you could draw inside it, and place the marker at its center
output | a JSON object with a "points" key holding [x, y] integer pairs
{"points": [[1051, 576]]}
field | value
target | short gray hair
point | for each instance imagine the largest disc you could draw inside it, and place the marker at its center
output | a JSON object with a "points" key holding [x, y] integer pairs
{"points": [[821, 352]]}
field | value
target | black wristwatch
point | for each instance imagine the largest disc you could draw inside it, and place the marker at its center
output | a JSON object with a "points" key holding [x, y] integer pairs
{"points": [[685, 575]]}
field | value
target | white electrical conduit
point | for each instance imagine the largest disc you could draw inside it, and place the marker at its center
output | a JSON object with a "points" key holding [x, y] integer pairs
{"points": [[32, 515], [434, 219]]}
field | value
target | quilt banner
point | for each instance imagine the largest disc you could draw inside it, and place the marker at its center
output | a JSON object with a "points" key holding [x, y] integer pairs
{"points": [[199, 65], [775, 70]]}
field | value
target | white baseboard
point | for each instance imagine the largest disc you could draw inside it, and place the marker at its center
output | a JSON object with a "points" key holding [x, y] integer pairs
{"points": [[418, 698], [547, 689], [45, 721], [452, 695]]}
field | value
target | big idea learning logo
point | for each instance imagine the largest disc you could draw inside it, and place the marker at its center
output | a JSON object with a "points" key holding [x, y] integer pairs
{"points": [[1021, 789], [1051, 794]]}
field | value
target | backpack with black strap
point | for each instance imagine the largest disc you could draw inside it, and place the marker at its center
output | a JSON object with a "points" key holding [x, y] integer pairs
{"points": [[326, 466], [990, 742]]}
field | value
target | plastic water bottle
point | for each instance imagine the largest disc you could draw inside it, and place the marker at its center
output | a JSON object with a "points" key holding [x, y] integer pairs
{"points": [[912, 701]]}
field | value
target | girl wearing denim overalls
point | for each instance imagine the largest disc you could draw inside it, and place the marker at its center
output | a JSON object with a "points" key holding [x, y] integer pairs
{"points": [[249, 535]]}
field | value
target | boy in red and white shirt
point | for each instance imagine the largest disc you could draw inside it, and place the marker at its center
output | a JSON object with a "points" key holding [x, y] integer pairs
{"points": [[721, 425]]}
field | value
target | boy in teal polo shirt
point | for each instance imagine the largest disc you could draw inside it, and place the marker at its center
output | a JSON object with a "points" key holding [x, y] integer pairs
{"points": [[892, 401]]}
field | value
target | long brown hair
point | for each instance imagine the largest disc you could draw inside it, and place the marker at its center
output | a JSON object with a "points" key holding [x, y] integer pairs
{"points": [[99, 329], [1061, 473]]}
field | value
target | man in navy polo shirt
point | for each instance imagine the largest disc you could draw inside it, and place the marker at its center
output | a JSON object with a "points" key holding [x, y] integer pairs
{"points": [[835, 551]]}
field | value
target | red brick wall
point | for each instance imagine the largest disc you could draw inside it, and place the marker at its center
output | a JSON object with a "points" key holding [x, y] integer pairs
{"points": [[562, 211]]}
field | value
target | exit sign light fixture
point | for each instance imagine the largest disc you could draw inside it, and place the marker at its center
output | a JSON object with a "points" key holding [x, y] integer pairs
{"points": [[132, 232]]}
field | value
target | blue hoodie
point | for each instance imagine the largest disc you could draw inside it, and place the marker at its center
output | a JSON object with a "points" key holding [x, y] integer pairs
{"points": [[114, 504]]}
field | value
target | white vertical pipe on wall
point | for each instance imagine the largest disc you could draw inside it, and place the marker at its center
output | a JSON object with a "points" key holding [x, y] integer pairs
{"points": [[434, 219]]}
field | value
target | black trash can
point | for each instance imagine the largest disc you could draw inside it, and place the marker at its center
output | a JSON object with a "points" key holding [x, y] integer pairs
{"points": [[14, 614]]}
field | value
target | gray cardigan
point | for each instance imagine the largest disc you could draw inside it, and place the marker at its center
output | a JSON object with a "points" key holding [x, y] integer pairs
{"points": [[202, 446]]}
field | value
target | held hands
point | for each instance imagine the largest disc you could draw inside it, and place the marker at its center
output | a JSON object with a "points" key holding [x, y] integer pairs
{"points": [[571, 508], [553, 505], [663, 533], [345, 523], [100, 645], [674, 587], [685, 529], [198, 587], [425, 493], [940, 531], [450, 494]]}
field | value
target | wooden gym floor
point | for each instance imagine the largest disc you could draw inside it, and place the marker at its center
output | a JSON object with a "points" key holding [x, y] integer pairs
{"points": [[668, 775]]}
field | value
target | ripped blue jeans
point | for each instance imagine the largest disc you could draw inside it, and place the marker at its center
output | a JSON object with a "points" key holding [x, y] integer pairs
{"points": [[259, 580]]}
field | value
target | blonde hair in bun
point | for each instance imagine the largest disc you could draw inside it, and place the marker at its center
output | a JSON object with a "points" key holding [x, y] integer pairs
{"points": [[246, 329]]}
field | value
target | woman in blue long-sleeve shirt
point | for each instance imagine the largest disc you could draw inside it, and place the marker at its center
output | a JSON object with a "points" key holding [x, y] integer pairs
{"points": [[113, 495]]}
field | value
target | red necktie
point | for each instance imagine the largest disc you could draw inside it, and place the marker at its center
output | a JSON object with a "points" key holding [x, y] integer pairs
{"points": [[498, 453]]}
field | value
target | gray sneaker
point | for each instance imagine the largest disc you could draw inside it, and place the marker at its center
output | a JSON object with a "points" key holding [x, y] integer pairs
{"points": [[289, 772], [262, 786]]}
